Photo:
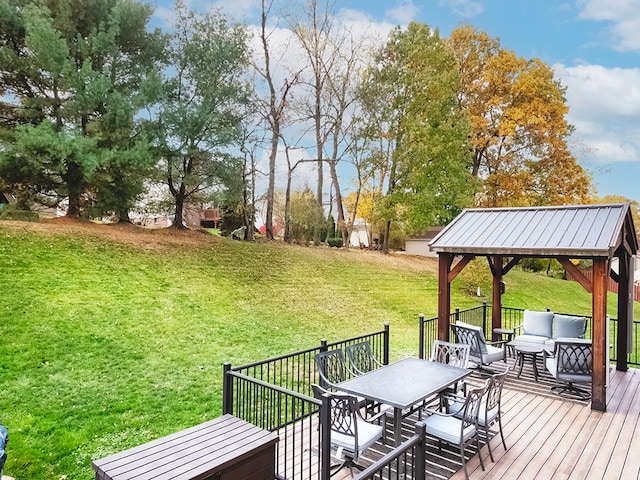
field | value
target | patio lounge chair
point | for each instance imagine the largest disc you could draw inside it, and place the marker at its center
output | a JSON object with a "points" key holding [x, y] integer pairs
{"points": [[459, 428], [572, 363], [480, 352], [350, 433]]}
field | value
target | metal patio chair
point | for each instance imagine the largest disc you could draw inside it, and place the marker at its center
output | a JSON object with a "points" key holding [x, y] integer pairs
{"points": [[572, 363], [351, 435], [461, 427], [490, 409], [480, 352], [361, 358]]}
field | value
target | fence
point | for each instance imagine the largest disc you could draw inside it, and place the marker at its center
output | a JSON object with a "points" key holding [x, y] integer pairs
{"points": [[275, 394], [512, 318]]}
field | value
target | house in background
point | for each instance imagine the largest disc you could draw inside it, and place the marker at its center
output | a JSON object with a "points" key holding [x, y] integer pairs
{"points": [[419, 244], [359, 234]]}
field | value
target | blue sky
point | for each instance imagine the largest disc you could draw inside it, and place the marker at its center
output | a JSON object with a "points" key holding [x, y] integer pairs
{"points": [[592, 45]]}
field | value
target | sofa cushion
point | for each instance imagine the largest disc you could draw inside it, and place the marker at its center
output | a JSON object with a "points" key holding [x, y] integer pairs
{"points": [[532, 339], [537, 323], [569, 326]]}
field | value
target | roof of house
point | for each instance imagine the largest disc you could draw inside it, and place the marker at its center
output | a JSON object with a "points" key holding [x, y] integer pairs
{"points": [[575, 231]]}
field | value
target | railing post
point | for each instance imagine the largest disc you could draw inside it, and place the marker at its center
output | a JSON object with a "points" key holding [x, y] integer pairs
{"points": [[484, 313], [325, 438], [421, 457], [323, 345], [227, 389], [385, 352], [421, 337], [484, 322], [456, 315]]}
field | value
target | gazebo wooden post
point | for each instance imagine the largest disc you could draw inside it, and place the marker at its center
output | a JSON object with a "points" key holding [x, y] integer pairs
{"points": [[625, 309], [599, 334], [497, 264], [445, 260]]}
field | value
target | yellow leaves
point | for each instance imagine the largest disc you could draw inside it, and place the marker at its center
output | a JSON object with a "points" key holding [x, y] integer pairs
{"points": [[516, 111]]}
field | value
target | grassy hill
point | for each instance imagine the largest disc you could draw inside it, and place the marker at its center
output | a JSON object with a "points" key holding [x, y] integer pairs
{"points": [[112, 335]]}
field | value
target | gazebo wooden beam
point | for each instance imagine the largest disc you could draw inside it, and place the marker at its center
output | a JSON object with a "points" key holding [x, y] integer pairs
{"points": [[576, 273], [458, 267], [512, 263]]}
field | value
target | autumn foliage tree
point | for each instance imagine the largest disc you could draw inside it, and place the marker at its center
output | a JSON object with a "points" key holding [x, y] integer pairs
{"points": [[517, 111]]}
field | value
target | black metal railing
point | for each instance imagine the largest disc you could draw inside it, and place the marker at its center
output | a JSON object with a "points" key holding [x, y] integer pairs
{"points": [[275, 394], [407, 460], [512, 319]]}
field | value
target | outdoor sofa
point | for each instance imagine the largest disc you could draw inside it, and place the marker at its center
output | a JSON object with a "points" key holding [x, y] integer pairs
{"points": [[547, 327]]}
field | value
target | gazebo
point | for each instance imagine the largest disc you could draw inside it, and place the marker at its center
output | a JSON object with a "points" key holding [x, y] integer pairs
{"points": [[507, 235]]}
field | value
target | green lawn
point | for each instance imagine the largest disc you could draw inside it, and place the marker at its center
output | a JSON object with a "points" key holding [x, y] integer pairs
{"points": [[107, 344]]}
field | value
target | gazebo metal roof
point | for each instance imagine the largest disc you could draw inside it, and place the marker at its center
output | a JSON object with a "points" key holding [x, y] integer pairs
{"points": [[574, 231]]}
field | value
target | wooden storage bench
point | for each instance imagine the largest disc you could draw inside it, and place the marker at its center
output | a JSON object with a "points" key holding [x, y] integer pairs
{"points": [[225, 448]]}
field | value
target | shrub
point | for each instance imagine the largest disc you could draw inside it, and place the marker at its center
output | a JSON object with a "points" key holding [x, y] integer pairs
{"points": [[334, 242]]}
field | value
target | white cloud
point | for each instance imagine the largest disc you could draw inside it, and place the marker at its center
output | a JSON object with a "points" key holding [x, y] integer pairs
{"points": [[237, 9], [403, 13], [623, 17], [464, 8], [605, 109]]}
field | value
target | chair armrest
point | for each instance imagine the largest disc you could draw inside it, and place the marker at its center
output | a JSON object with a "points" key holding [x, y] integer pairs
{"points": [[431, 411], [381, 416]]}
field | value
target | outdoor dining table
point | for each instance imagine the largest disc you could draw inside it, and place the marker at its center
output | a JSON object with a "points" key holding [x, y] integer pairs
{"points": [[403, 384]]}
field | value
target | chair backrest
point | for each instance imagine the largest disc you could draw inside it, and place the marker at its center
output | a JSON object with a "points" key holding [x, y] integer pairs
{"points": [[331, 367], [343, 420], [494, 391], [574, 360], [471, 407], [360, 357], [454, 354], [472, 336]]}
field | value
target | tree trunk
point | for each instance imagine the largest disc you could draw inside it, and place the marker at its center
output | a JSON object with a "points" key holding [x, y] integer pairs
{"points": [[73, 179], [341, 224], [272, 181], [178, 218]]}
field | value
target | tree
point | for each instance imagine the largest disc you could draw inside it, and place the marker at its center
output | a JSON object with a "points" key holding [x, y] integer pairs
{"points": [[429, 177], [201, 111], [312, 32], [517, 112], [81, 70], [274, 112], [633, 205], [303, 216]]}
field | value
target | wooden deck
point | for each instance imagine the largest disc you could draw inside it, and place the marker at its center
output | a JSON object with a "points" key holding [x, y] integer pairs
{"points": [[555, 439], [548, 437]]}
